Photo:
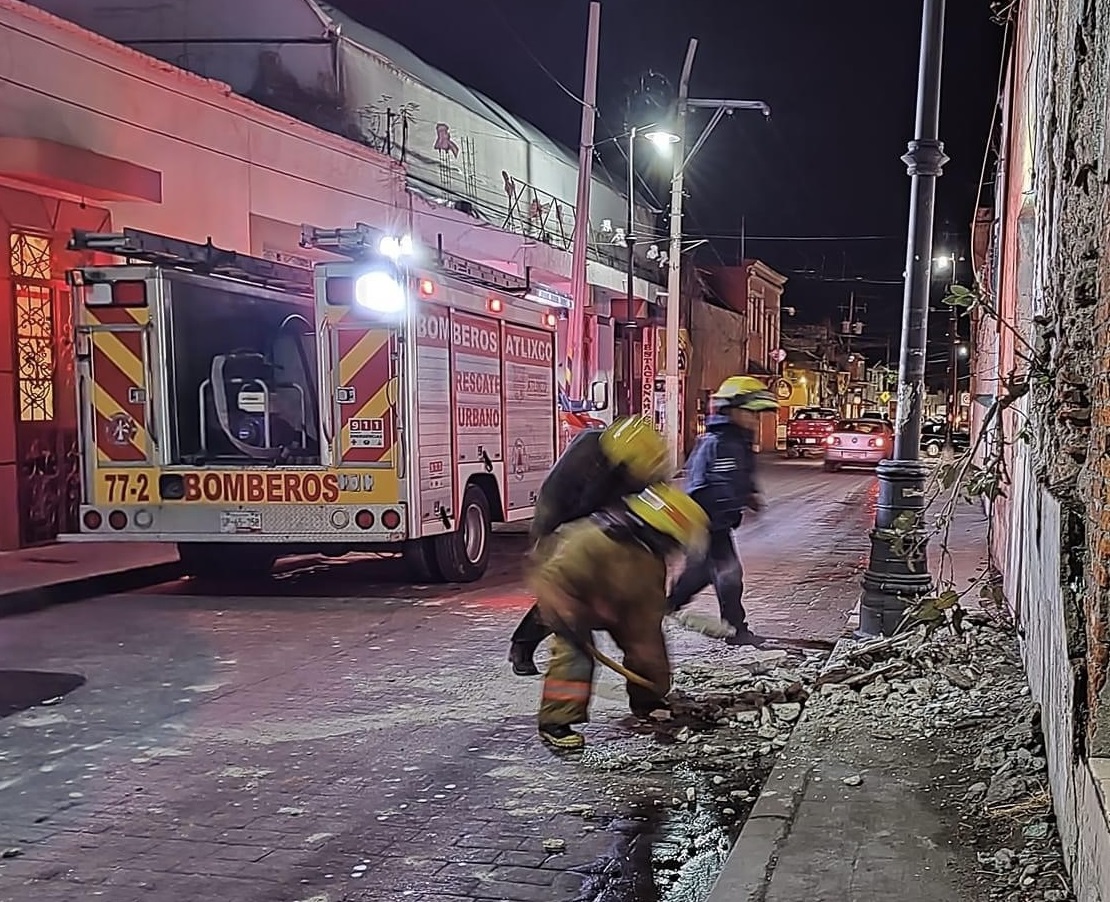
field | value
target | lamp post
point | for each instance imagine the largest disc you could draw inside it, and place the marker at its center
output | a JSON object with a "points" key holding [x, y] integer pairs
{"points": [[897, 571], [663, 140]]}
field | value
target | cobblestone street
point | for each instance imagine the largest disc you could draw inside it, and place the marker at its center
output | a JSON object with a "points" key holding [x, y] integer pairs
{"points": [[337, 734]]}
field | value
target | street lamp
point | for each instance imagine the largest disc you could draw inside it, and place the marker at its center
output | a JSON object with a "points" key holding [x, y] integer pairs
{"points": [[947, 263], [897, 572], [663, 140]]}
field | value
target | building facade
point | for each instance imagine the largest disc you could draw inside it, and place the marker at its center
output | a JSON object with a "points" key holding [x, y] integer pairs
{"points": [[735, 327], [100, 136], [473, 168], [1045, 357]]}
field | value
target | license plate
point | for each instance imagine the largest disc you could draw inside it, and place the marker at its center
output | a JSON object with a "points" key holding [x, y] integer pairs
{"points": [[858, 455], [240, 521], [810, 441]]}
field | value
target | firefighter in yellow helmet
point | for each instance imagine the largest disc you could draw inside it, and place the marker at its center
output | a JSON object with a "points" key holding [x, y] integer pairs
{"points": [[609, 572], [599, 468], [720, 476]]}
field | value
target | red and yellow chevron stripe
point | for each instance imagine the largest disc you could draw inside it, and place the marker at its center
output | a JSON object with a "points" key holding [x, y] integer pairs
{"points": [[367, 394], [119, 384]]}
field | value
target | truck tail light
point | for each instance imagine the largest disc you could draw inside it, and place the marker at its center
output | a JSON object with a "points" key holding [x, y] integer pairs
{"points": [[129, 294], [92, 520], [391, 519], [117, 519], [494, 305], [550, 320], [427, 288], [364, 519]]}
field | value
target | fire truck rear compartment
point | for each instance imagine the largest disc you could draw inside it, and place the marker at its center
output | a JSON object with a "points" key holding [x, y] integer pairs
{"points": [[242, 377]]}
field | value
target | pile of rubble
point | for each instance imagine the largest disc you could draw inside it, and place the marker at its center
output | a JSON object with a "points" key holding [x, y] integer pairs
{"points": [[967, 691]]}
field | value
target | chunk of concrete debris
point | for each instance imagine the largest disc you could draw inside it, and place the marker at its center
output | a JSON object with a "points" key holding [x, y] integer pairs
{"points": [[554, 846], [761, 661], [787, 711], [854, 780], [975, 792], [1003, 860]]}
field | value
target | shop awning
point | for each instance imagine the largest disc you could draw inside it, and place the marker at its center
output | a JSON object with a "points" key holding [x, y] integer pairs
{"points": [[77, 171]]}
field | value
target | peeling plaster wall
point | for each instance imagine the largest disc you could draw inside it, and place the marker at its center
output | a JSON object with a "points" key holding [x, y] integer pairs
{"points": [[1055, 270]]}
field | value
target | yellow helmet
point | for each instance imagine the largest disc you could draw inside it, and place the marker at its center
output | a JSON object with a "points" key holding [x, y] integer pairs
{"points": [[745, 392], [633, 442], [671, 512]]}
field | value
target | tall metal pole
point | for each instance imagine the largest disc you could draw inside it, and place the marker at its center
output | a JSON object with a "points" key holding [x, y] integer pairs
{"points": [[897, 572], [580, 286], [630, 292], [672, 421], [953, 359]]}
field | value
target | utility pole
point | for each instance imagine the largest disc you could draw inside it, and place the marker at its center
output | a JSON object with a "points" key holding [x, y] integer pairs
{"points": [[671, 380], [897, 571], [674, 271], [580, 285]]}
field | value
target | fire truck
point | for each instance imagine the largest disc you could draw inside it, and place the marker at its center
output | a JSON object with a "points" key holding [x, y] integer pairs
{"points": [[247, 409]]}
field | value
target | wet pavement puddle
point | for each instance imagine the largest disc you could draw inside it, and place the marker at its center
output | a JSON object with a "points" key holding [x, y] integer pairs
{"points": [[23, 689]]}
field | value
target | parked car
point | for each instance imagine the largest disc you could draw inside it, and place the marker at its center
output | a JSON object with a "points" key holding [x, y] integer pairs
{"points": [[934, 434], [572, 421], [881, 415], [858, 443], [807, 429]]}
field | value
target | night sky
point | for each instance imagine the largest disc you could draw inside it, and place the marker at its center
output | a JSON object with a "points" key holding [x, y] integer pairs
{"points": [[840, 78]]}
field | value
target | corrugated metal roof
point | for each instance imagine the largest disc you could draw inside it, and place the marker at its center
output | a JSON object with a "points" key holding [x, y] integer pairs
{"points": [[477, 103]]}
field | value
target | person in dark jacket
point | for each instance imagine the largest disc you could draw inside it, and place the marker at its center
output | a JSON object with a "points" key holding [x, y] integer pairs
{"points": [[720, 477], [597, 470]]}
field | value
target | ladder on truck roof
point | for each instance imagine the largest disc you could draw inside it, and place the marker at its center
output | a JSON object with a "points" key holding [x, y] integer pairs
{"points": [[206, 259], [365, 241]]}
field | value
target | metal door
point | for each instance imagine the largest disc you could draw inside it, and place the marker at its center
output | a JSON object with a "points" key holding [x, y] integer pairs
{"points": [[45, 430]]}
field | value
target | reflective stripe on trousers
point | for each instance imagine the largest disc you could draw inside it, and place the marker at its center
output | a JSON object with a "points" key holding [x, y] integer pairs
{"points": [[567, 686]]}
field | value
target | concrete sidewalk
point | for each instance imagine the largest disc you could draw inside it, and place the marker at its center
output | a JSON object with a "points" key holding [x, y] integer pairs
{"points": [[34, 578], [853, 814]]}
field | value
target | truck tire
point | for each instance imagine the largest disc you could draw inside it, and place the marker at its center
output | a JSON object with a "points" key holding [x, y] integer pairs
{"points": [[211, 562], [420, 559], [463, 555]]}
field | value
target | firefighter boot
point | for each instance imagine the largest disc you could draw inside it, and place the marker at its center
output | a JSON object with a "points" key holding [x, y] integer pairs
{"points": [[566, 695], [562, 737]]}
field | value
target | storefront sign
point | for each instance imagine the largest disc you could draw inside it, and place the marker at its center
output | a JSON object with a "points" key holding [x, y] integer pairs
{"points": [[647, 377]]}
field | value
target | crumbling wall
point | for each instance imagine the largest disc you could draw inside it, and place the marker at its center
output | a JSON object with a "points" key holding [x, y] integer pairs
{"points": [[1070, 406]]}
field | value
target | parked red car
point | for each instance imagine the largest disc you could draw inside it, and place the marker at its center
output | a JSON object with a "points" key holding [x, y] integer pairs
{"points": [[807, 429], [572, 422]]}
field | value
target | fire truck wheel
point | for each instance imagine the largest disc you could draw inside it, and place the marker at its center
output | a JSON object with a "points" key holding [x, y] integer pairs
{"points": [[420, 558], [225, 562], [462, 555]]}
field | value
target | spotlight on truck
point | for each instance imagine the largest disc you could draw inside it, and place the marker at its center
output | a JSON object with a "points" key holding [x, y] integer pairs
{"points": [[380, 291]]}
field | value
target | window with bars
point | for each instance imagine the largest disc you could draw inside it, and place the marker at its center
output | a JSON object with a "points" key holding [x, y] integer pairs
{"points": [[34, 326]]}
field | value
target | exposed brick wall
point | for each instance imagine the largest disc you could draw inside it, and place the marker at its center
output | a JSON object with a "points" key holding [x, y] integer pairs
{"points": [[1071, 407]]}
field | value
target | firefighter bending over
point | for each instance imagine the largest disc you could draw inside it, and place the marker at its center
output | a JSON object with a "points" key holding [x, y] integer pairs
{"points": [[609, 572], [600, 467]]}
